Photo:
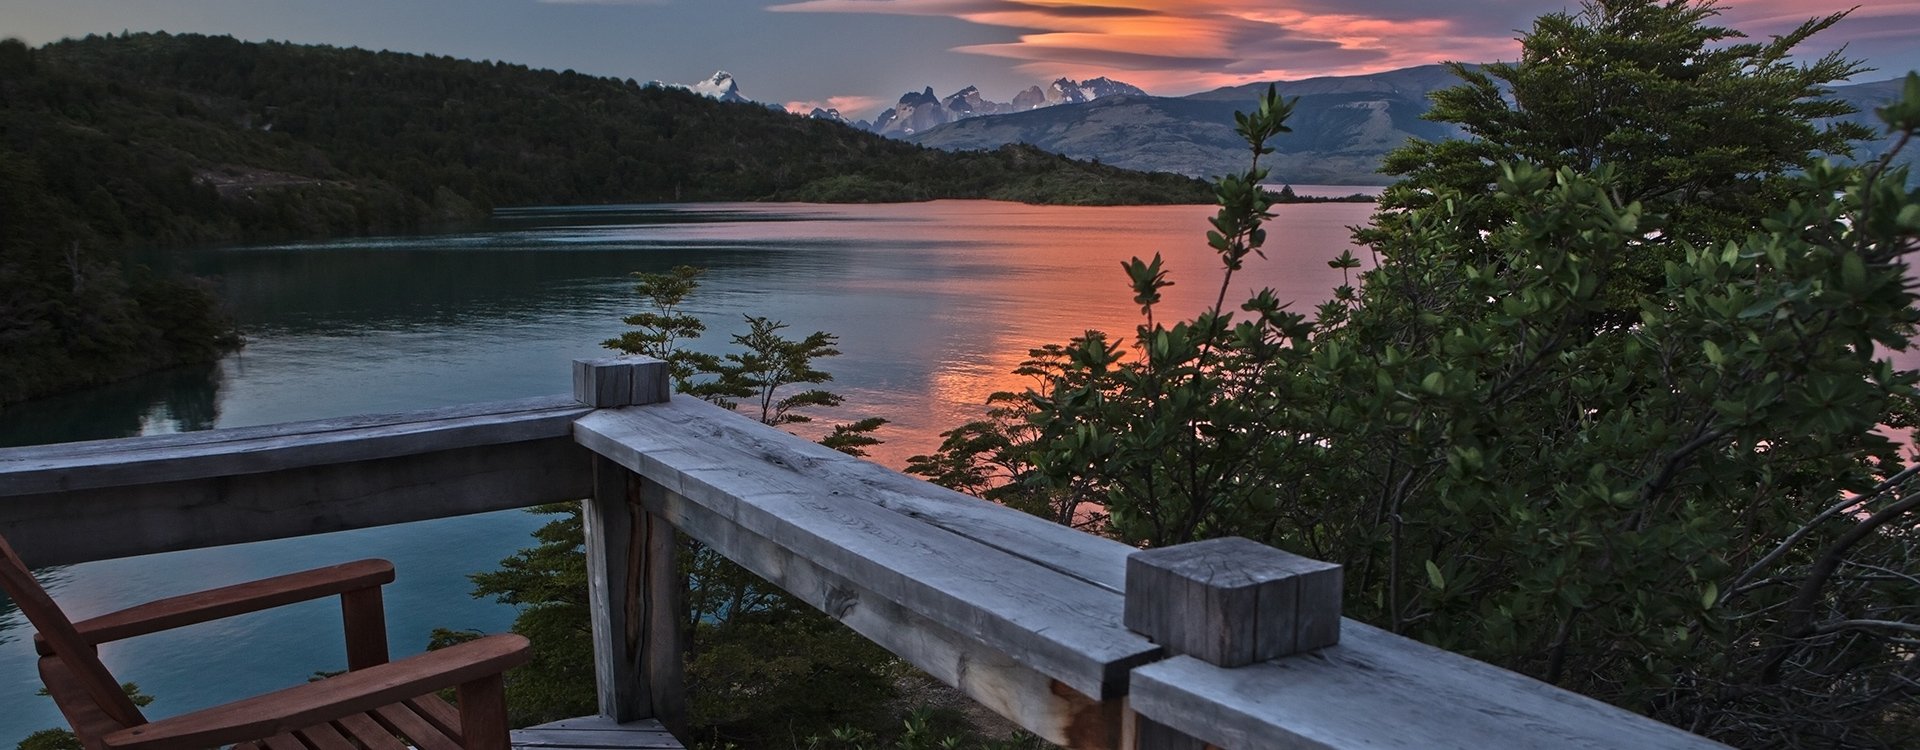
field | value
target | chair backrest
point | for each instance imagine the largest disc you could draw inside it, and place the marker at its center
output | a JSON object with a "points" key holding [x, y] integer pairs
{"points": [[68, 646]]}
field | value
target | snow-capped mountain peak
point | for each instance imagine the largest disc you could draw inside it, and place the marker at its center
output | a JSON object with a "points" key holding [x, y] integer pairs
{"points": [[920, 110], [1096, 88], [1065, 91], [720, 86]]}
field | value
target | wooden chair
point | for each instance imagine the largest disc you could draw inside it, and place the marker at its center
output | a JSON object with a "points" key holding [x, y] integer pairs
{"points": [[375, 705]]}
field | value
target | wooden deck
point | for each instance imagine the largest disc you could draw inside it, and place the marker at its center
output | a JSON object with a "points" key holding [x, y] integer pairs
{"points": [[596, 733], [1049, 627]]}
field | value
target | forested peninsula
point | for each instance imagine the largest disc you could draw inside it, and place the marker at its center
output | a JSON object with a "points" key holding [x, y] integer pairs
{"points": [[155, 140]]}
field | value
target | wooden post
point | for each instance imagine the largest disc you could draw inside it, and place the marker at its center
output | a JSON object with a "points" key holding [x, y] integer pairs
{"points": [[365, 616], [662, 617], [633, 584], [483, 713], [621, 381], [1229, 602]]}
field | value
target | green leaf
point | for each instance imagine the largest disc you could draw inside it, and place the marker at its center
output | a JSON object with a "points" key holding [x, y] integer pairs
{"points": [[1433, 576], [1853, 272]]}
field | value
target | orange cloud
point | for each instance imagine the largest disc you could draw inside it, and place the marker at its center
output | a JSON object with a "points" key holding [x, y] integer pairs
{"points": [[1164, 45]]}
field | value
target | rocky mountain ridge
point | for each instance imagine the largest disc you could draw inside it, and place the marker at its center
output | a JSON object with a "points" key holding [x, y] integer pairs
{"points": [[1342, 127], [919, 111]]}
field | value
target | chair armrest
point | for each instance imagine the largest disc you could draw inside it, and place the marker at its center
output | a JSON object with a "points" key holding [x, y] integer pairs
{"points": [[227, 601], [326, 700]]}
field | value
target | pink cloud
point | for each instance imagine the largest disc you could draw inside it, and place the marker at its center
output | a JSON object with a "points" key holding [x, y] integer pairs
{"points": [[850, 106], [1168, 45]]}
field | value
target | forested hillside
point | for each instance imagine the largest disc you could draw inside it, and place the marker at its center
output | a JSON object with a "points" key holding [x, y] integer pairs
{"points": [[157, 140], [401, 139]]}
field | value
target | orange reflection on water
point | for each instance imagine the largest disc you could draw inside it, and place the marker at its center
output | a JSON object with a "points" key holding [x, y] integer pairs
{"points": [[1027, 276]]}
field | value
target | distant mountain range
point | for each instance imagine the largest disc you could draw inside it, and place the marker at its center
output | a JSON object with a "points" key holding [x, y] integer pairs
{"points": [[1865, 98], [920, 111], [1342, 127]]}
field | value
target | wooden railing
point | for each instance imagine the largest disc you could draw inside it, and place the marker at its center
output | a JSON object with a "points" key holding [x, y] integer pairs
{"points": [[1082, 640]]}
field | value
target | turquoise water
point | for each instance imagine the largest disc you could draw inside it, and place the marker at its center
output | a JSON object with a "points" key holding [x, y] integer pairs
{"points": [[934, 303]]}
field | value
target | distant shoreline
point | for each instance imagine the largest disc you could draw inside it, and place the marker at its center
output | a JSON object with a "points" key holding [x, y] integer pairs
{"points": [[1291, 193], [1317, 190]]}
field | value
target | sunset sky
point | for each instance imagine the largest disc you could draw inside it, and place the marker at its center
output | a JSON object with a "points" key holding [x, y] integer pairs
{"points": [[860, 55]]}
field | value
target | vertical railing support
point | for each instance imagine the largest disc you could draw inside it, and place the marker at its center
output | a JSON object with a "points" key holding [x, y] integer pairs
{"points": [[364, 615], [634, 586], [621, 381], [1229, 602]]}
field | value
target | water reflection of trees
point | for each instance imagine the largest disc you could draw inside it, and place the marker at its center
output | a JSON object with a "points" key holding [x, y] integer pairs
{"points": [[183, 399], [13, 625]]}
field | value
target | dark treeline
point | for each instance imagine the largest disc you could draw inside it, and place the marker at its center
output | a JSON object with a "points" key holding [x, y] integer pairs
{"points": [[158, 140], [400, 139], [73, 315]]}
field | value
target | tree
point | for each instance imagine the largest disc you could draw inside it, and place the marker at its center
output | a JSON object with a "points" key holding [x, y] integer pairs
{"points": [[658, 329], [1601, 510], [1614, 355], [1178, 442], [757, 372], [1598, 415], [1694, 124], [758, 655]]}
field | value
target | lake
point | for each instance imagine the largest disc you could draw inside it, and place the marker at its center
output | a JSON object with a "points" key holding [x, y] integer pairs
{"points": [[934, 304]]}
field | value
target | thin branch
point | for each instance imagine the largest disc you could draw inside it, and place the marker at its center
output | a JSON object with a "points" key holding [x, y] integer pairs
{"points": [[1843, 506]]}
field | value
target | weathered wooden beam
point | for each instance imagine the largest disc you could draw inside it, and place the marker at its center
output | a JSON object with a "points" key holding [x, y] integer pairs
{"points": [[65, 467], [768, 483], [58, 528], [596, 733], [614, 595], [1379, 690], [635, 595], [1087, 557], [633, 580], [1146, 734], [1038, 703], [663, 622]]}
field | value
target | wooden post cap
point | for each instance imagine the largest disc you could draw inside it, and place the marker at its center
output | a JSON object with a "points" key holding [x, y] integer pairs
{"points": [[621, 381], [1232, 601]]}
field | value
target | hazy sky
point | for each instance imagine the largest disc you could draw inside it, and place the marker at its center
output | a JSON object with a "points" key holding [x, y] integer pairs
{"points": [[862, 54]]}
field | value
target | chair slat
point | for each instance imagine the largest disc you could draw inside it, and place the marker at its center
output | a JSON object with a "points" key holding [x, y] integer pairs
{"points": [[283, 741], [325, 737], [423, 733], [369, 733], [435, 709]]}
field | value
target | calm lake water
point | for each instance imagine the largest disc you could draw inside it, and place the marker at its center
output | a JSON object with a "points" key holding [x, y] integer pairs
{"points": [[934, 303]]}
